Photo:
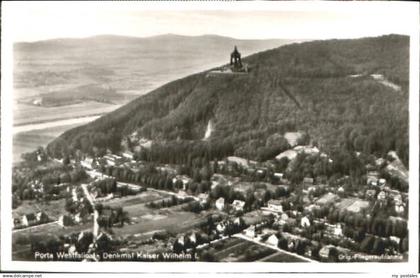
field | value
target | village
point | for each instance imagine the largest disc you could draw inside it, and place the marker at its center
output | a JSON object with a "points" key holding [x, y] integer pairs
{"points": [[119, 204]]}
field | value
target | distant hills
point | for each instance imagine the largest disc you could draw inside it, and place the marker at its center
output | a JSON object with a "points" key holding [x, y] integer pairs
{"points": [[167, 41], [323, 88], [128, 65]]}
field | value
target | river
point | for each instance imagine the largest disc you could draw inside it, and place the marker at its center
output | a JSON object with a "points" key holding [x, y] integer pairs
{"points": [[28, 137], [45, 125]]}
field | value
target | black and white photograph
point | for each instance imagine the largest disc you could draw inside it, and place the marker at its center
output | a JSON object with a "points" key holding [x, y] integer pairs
{"points": [[232, 136]]}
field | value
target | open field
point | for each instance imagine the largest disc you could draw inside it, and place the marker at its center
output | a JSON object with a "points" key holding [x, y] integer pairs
{"points": [[21, 238], [147, 219], [53, 208], [170, 219], [240, 250], [280, 257], [142, 198], [52, 229]]}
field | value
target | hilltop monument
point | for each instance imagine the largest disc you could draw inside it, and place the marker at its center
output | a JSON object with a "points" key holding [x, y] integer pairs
{"points": [[235, 58], [235, 67]]}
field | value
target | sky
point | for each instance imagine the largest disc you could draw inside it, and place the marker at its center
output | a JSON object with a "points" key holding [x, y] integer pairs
{"points": [[304, 20]]}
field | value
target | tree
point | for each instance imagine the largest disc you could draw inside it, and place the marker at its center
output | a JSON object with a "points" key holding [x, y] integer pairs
{"points": [[378, 246], [367, 244], [208, 255], [333, 255]]}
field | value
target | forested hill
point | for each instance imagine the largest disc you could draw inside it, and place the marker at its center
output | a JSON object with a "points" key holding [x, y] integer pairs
{"points": [[324, 88]]}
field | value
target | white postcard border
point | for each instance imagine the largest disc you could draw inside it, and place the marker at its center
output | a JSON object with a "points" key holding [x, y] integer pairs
{"points": [[410, 9]]}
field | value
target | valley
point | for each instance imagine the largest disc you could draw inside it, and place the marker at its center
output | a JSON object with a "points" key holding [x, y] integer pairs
{"points": [[63, 79], [294, 154]]}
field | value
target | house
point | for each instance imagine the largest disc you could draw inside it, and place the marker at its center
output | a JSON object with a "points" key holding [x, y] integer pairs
{"points": [[308, 181], [240, 161], [283, 219], [306, 201], [238, 205], [372, 176], [220, 203], [370, 193], [311, 208], [87, 163], [308, 251], [77, 218], [325, 251], [250, 232], [181, 240], [17, 223], [338, 231], [289, 154], [278, 176], [327, 198], [221, 227], [105, 198], [65, 220], [184, 179], [29, 220], [110, 162], [381, 182], [182, 195], [238, 221], [72, 249], [275, 205], [381, 195], [291, 244], [106, 218], [311, 189], [395, 239], [259, 194], [128, 155], [380, 162], [203, 197], [273, 240], [291, 221], [74, 195], [333, 230], [397, 199], [304, 222], [193, 238], [399, 208]]}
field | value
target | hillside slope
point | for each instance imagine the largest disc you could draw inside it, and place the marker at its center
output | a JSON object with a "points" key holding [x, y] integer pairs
{"points": [[324, 88]]}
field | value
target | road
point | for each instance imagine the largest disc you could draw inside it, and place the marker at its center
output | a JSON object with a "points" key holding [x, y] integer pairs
{"points": [[95, 212]]}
